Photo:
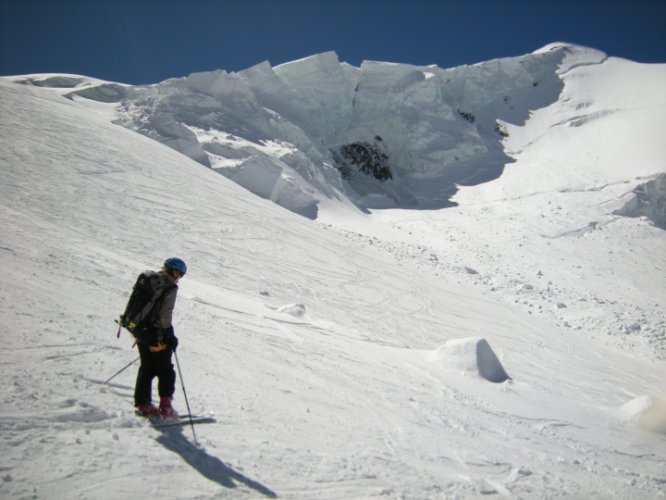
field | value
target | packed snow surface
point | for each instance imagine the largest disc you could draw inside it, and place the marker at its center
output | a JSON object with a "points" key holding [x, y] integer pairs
{"points": [[511, 345]]}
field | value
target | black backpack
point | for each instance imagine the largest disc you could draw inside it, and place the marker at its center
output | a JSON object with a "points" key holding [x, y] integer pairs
{"points": [[141, 311]]}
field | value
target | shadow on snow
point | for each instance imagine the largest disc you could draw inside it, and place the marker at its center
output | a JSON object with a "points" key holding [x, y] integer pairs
{"points": [[208, 466]]}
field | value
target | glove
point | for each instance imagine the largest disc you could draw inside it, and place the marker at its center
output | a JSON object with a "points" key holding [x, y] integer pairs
{"points": [[157, 348], [172, 343]]}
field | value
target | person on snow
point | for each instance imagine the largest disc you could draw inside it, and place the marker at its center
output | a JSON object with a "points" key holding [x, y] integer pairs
{"points": [[156, 346]]}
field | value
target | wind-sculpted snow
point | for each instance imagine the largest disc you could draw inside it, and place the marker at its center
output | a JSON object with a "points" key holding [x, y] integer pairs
{"points": [[56, 81], [650, 201], [471, 355], [440, 128]]}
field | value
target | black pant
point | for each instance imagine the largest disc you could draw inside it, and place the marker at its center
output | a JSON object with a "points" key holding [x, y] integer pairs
{"points": [[154, 364]]}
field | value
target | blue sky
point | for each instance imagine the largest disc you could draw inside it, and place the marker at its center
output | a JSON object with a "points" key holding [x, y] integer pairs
{"points": [[147, 41]]}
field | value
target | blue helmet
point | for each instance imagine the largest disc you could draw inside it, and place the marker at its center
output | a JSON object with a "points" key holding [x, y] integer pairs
{"points": [[176, 263]]}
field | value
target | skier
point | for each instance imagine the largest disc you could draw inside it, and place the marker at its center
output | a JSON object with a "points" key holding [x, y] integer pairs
{"points": [[156, 346]]}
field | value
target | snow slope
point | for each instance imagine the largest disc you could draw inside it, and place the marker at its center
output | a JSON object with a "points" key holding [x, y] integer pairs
{"points": [[345, 358], [547, 235]]}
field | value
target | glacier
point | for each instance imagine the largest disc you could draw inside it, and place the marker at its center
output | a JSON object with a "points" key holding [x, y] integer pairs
{"points": [[277, 130]]}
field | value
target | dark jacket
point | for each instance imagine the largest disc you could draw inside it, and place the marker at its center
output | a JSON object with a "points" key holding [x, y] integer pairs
{"points": [[168, 302]]}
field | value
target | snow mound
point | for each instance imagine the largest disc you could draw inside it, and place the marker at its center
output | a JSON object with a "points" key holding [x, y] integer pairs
{"points": [[295, 310], [649, 200], [471, 355], [647, 411]]}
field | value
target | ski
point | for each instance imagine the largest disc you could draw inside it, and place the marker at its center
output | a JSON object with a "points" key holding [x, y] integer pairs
{"points": [[193, 415], [182, 421]]}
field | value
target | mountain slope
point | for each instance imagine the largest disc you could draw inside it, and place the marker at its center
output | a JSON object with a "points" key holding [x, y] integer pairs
{"points": [[547, 236], [339, 365]]}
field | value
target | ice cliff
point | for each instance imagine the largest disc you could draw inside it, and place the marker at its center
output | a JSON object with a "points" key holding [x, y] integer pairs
{"points": [[381, 135]]}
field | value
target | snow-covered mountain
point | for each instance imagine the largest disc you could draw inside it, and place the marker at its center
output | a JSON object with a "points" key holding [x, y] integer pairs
{"points": [[446, 228], [302, 126]]}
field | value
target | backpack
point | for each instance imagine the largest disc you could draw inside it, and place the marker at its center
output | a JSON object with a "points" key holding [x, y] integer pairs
{"points": [[141, 311]]}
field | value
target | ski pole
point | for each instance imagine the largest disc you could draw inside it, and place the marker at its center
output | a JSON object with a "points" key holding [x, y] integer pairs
{"points": [[182, 384], [121, 370]]}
